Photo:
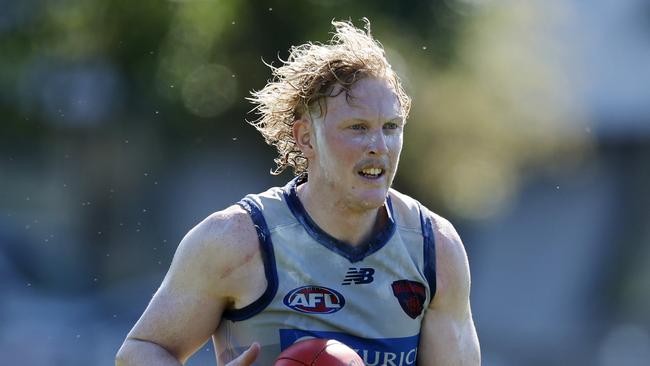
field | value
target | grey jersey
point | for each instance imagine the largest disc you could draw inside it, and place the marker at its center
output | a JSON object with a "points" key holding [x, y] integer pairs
{"points": [[371, 297]]}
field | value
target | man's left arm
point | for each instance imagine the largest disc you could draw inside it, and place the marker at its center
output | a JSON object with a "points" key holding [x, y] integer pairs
{"points": [[448, 336]]}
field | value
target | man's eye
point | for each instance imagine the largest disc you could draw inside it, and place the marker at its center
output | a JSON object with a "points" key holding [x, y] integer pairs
{"points": [[391, 126], [358, 127]]}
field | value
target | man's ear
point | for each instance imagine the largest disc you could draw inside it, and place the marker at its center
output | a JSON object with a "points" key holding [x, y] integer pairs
{"points": [[303, 135]]}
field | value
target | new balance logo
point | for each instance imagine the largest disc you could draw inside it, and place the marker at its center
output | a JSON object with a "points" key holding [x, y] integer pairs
{"points": [[359, 276]]}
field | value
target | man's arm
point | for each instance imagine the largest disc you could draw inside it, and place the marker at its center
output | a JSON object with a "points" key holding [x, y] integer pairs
{"points": [[448, 336], [217, 254]]}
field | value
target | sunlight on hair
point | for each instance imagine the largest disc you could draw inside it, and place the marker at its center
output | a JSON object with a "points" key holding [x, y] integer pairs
{"points": [[308, 76]]}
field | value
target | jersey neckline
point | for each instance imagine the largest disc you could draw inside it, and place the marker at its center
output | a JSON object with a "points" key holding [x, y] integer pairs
{"points": [[352, 253]]}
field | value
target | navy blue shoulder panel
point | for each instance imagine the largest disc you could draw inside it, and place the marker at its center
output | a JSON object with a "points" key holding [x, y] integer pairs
{"points": [[353, 254], [429, 251], [270, 270]]}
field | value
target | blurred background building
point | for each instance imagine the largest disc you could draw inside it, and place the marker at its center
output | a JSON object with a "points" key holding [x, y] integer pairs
{"points": [[122, 124]]}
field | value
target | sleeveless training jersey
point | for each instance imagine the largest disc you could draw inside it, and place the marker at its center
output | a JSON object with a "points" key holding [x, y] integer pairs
{"points": [[371, 297]]}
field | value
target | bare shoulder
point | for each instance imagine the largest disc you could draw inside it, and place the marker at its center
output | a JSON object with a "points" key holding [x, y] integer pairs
{"points": [[453, 279], [448, 242], [218, 249], [452, 267], [229, 231], [216, 255]]}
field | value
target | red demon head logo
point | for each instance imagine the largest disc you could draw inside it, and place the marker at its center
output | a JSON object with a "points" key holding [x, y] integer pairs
{"points": [[411, 296]]}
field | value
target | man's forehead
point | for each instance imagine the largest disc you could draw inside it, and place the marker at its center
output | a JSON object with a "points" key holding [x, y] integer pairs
{"points": [[367, 98]]}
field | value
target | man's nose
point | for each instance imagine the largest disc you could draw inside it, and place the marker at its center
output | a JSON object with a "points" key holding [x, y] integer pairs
{"points": [[377, 144]]}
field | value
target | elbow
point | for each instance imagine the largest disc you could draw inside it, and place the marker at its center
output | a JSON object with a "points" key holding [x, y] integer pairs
{"points": [[137, 352], [120, 360], [122, 356]]}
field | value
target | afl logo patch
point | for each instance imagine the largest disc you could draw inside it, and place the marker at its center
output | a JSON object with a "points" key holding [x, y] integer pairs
{"points": [[314, 300]]}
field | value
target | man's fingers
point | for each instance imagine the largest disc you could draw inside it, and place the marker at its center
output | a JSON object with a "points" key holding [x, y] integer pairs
{"points": [[248, 357]]}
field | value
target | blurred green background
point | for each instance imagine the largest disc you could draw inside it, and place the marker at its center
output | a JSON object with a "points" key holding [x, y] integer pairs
{"points": [[122, 124]]}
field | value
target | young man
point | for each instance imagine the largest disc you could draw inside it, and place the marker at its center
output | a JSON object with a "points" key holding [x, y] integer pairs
{"points": [[336, 253]]}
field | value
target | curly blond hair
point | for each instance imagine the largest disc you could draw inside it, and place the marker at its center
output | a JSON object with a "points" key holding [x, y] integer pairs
{"points": [[311, 74]]}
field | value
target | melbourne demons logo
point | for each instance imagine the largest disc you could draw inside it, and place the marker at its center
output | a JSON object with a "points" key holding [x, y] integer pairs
{"points": [[314, 300], [411, 296]]}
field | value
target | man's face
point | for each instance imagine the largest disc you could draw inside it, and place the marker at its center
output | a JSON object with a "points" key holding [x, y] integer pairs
{"points": [[357, 144]]}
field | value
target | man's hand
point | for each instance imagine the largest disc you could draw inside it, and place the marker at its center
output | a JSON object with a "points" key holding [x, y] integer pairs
{"points": [[248, 357]]}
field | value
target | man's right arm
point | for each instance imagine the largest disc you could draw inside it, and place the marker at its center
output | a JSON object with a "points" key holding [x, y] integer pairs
{"points": [[201, 282], [145, 353], [137, 352]]}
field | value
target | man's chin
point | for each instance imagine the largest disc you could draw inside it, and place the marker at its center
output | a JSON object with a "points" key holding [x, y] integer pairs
{"points": [[374, 200]]}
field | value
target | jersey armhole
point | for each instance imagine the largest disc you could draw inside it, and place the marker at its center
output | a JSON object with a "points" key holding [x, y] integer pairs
{"points": [[270, 270], [429, 246]]}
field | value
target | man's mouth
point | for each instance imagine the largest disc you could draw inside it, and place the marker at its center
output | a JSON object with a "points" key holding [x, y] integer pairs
{"points": [[371, 173]]}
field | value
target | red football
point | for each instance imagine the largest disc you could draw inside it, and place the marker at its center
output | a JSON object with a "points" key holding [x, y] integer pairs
{"points": [[318, 352]]}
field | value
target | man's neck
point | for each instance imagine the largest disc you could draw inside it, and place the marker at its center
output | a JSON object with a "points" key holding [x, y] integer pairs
{"points": [[332, 214]]}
